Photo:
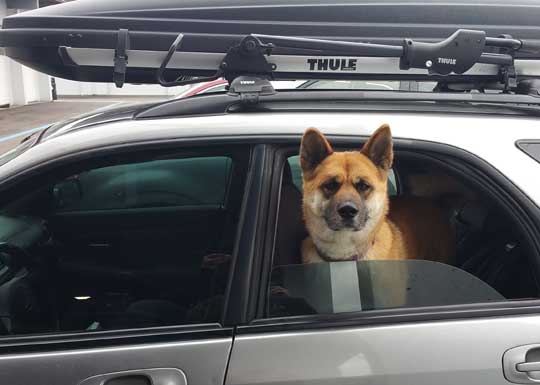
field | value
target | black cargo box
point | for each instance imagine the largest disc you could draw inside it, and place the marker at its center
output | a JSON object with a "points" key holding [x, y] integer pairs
{"points": [[77, 40]]}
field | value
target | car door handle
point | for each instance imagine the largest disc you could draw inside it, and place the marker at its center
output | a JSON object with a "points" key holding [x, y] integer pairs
{"points": [[528, 366], [157, 376], [521, 365]]}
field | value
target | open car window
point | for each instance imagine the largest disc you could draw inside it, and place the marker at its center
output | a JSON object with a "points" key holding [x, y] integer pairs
{"points": [[339, 287]]}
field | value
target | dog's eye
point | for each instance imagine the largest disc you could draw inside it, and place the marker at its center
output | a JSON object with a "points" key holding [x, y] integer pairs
{"points": [[362, 186], [331, 186]]}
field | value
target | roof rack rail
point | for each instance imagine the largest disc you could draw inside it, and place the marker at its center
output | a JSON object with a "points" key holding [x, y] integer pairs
{"points": [[336, 59]]}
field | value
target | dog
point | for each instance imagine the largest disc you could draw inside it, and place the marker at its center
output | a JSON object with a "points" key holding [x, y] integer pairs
{"points": [[347, 211]]}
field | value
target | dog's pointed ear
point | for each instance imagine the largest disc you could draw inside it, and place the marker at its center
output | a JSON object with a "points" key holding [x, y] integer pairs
{"points": [[313, 149], [379, 148]]}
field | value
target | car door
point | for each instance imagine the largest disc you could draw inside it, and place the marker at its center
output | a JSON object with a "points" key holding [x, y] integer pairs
{"points": [[141, 347], [380, 322]]}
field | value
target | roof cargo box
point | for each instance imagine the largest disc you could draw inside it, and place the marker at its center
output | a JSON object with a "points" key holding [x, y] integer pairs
{"points": [[129, 40]]}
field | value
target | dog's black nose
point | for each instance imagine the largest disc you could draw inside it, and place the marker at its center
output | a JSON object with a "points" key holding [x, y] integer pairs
{"points": [[347, 210]]}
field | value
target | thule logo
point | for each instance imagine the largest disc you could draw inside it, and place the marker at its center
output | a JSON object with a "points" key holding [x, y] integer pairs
{"points": [[246, 82], [332, 64], [446, 60]]}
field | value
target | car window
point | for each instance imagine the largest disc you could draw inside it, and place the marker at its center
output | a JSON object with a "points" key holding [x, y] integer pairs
{"points": [[341, 287], [481, 249], [126, 244], [169, 182], [296, 171]]}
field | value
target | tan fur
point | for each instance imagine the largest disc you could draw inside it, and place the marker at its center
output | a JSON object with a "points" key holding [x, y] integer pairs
{"points": [[405, 228]]}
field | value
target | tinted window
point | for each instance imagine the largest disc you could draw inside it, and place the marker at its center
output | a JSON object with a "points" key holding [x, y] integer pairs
{"points": [[486, 252], [127, 245], [169, 182], [338, 287]]}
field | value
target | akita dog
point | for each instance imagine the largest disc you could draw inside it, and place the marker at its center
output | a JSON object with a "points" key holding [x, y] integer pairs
{"points": [[347, 211]]}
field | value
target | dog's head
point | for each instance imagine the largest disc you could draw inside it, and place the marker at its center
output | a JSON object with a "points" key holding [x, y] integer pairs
{"points": [[346, 191]]}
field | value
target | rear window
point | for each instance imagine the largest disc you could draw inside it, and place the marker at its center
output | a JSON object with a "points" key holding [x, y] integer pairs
{"points": [[160, 183]]}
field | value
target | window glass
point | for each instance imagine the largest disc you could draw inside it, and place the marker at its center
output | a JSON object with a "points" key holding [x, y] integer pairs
{"points": [[482, 248], [296, 171], [129, 245], [340, 287], [169, 182]]}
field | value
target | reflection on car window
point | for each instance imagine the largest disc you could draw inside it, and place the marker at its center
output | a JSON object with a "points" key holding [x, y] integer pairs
{"points": [[134, 244], [159, 183], [339, 287]]}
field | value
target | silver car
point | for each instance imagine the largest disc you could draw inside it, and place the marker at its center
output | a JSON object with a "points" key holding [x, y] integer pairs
{"points": [[145, 248], [159, 244]]}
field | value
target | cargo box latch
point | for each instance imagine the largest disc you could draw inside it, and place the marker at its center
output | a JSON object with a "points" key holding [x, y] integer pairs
{"points": [[121, 58]]}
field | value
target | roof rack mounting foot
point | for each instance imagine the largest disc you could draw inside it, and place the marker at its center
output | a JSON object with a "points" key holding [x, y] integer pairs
{"points": [[250, 88], [121, 58], [248, 57], [508, 72]]}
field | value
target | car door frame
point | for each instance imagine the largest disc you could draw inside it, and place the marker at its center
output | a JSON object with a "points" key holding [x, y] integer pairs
{"points": [[262, 339], [55, 357]]}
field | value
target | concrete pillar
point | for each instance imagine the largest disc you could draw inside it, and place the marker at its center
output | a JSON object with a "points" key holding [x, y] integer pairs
{"points": [[20, 85], [5, 89], [16, 83]]}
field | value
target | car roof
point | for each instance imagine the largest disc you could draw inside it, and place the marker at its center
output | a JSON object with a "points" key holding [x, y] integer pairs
{"points": [[468, 132], [299, 100]]}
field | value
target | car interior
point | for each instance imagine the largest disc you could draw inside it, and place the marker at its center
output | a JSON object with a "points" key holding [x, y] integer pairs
{"points": [[118, 246], [489, 245]]}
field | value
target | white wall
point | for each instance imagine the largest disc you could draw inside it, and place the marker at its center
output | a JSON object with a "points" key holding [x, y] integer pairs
{"points": [[71, 88], [18, 84], [5, 92]]}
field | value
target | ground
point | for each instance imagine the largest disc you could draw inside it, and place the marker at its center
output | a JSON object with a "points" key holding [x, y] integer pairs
{"points": [[17, 122]]}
